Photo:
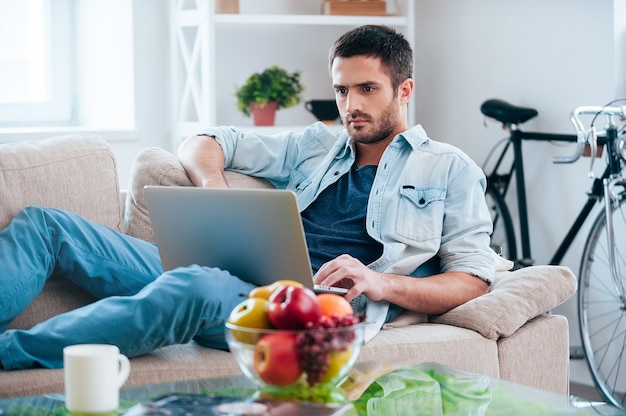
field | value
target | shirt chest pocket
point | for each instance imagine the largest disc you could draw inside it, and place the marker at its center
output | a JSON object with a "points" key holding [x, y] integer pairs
{"points": [[420, 213]]}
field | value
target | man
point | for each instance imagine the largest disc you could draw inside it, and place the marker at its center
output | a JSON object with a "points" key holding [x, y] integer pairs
{"points": [[381, 204]]}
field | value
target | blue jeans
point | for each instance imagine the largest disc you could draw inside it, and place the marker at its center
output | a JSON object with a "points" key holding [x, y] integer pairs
{"points": [[140, 307]]}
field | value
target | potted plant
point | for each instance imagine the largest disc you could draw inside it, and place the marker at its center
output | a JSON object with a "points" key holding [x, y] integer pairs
{"points": [[268, 91]]}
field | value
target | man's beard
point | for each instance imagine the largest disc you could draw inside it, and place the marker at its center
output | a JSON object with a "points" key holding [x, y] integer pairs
{"points": [[379, 129]]}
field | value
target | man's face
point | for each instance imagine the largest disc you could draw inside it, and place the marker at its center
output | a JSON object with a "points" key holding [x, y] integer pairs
{"points": [[368, 105]]}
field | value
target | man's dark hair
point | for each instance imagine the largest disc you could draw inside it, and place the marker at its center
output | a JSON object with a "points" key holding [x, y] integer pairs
{"points": [[377, 41]]}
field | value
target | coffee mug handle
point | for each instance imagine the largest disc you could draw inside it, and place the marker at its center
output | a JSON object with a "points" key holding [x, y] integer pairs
{"points": [[124, 372], [308, 106]]}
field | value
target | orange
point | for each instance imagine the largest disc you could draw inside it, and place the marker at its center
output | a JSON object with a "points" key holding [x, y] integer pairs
{"points": [[333, 304]]}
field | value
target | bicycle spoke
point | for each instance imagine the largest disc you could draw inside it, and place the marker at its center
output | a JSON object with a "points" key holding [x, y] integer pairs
{"points": [[615, 370], [602, 313], [606, 347]]}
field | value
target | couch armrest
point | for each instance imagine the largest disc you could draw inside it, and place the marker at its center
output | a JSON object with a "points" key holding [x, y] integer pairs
{"points": [[538, 354], [156, 166]]}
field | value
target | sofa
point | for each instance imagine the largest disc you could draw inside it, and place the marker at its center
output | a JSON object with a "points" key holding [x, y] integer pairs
{"points": [[507, 333]]}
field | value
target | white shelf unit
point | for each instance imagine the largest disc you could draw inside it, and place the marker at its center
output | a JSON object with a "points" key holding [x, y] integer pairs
{"points": [[205, 69], [307, 19]]}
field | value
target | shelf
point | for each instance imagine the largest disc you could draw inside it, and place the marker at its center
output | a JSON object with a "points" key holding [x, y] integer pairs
{"points": [[308, 19], [335, 128], [197, 32]]}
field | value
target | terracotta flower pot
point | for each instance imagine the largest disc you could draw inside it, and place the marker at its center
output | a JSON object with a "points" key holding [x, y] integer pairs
{"points": [[226, 6], [264, 115]]}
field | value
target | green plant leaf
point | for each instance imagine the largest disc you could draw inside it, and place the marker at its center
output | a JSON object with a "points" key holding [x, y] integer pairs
{"points": [[272, 85]]}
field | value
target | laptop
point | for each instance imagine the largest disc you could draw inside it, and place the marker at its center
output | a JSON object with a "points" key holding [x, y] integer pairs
{"points": [[255, 234]]}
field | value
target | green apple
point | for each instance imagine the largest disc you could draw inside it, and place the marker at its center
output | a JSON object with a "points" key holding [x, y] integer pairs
{"points": [[251, 313]]}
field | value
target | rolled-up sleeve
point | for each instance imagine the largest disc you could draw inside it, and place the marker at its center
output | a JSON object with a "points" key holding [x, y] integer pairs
{"points": [[467, 225]]}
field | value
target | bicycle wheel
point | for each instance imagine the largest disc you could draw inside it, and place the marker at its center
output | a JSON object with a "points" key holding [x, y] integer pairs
{"points": [[503, 235], [601, 310]]}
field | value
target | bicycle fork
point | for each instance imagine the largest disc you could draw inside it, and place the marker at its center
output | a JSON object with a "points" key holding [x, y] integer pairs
{"points": [[611, 202]]}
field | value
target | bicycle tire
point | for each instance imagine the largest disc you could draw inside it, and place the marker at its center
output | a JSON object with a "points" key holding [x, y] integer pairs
{"points": [[601, 312], [503, 235]]}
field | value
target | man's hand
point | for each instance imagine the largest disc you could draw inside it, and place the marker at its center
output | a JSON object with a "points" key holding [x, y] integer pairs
{"points": [[432, 295], [346, 271]]}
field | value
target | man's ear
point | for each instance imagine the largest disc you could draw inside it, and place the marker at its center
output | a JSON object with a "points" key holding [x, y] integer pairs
{"points": [[405, 90]]}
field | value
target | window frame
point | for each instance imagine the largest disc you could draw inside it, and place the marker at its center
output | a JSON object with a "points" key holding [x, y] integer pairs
{"points": [[60, 108]]}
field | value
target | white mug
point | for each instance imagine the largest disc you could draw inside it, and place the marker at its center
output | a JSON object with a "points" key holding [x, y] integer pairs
{"points": [[94, 374]]}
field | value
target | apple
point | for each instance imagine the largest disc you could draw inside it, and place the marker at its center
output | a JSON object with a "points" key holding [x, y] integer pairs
{"points": [[251, 313], [266, 291], [292, 307], [276, 359]]}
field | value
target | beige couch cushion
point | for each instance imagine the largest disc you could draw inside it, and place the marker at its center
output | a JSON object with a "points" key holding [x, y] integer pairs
{"points": [[58, 296], [446, 344], [514, 298], [74, 172], [156, 166]]}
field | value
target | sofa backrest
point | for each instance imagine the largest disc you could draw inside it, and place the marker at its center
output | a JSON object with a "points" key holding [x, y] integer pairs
{"points": [[75, 172]]}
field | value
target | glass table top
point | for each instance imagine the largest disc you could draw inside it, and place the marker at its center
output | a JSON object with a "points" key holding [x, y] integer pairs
{"points": [[507, 398]]}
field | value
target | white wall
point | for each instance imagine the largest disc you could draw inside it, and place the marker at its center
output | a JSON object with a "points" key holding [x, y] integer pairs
{"points": [[151, 64], [551, 55]]}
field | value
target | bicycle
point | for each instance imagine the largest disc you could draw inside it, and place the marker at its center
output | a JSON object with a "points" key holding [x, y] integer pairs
{"points": [[602, 277]]}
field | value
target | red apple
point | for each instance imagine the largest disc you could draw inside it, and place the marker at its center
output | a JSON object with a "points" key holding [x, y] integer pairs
{"points": [[276, 359], [292, 307]]}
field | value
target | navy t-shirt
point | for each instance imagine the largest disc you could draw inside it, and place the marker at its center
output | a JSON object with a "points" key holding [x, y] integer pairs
{"points": [[334, 223]]}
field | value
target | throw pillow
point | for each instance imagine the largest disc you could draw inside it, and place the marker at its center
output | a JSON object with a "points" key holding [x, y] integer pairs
{"points": [[513, 299]]}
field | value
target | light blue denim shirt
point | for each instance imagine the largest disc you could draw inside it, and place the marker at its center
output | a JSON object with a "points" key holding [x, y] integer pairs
{"points": [[427, 198]]}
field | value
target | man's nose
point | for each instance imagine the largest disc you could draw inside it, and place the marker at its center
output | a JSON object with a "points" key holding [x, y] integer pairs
{"points": [[353, 103]]}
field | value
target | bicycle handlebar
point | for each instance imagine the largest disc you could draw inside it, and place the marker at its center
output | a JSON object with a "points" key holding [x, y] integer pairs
{"points": [[588, 136]]}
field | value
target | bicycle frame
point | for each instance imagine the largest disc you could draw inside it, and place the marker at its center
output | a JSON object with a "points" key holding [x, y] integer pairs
{"points": [[516, 137], [595, 194]]}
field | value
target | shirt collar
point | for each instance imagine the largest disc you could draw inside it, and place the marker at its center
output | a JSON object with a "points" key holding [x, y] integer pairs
{"points": [[415, 137]]}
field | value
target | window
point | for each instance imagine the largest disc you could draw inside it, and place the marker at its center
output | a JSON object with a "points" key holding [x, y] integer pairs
{"points": [[36, 70]]}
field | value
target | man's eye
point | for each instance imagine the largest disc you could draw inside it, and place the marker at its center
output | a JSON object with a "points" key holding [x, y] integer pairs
{"points": [[368, 89], [342, 91]]}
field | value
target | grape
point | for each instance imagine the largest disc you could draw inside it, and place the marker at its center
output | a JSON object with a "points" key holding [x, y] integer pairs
{"points": [[315, 345]]}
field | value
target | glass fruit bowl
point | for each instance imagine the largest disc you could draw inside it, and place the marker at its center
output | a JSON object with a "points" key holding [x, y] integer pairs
{"points": [[274, 358]]}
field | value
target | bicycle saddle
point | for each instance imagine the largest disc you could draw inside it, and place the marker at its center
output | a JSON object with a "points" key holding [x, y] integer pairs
{"points": [[507, 113]]}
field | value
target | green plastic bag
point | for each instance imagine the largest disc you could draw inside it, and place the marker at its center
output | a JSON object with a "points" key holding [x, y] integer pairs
{"points": [[462, 393], [427, 389], [404, 391]]}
